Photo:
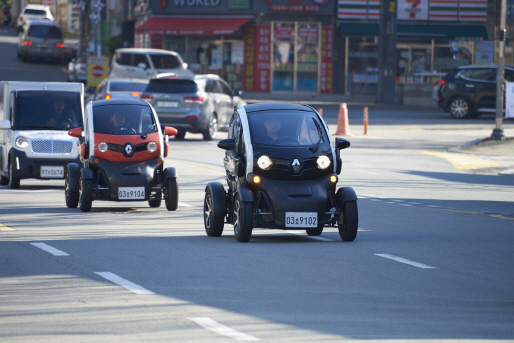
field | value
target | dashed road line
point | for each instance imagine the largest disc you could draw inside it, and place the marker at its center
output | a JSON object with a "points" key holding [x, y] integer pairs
{"points": [[50, 249], [221, 329], [406, 261], [5, 228], [124, 283]]}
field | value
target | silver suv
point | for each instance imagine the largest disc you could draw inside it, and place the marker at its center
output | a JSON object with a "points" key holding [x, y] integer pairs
{"points": [[146, 63], [41, 39]]}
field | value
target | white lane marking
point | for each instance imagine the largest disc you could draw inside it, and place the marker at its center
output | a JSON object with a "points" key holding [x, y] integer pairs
{"points": [[124, 283], [291, 232], [405, 204], [433, 206], [415, 203], [184, 204], [406, 261], [304, 234], [221, 329], [49, 249], [375, 199]]}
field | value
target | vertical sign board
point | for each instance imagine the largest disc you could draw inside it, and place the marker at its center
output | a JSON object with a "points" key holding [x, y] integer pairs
{"points": [[327, 59], [96, 70], [257, 58], [509, 99], [387, 52]]}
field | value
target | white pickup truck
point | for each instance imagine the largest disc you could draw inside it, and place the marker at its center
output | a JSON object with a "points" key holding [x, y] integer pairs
{"points": [[35, 118]]}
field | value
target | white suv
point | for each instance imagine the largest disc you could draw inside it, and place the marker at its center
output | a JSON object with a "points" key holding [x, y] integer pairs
{"points": [[31, 12], [146, 63]]}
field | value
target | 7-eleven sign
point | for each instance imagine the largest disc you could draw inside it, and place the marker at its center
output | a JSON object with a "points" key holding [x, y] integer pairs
{"points": [[413, 9]]}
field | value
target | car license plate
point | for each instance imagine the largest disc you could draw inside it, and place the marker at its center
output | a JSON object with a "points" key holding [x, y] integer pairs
{"points": [[51, 172], [131, 193], [167, 104], [301, 219], [43, 48]]}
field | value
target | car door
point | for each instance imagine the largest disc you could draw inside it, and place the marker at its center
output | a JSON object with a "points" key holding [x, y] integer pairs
{"points": [[484, 82]]}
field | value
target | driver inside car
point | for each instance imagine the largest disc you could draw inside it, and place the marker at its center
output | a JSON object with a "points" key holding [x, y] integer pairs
{"points": [[117, 121], [61, 116], [272, 126]]}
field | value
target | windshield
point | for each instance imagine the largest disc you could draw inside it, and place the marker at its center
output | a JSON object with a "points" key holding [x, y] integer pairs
{"points": [[171, 86], [44, 31], [124, 86], [286, 128], [47, 110], [124, 120], [166, 61]]}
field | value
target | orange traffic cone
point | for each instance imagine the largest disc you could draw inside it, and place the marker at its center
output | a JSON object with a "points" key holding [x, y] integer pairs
{"points": [[320, 111], [343, 126], [365, 120]]}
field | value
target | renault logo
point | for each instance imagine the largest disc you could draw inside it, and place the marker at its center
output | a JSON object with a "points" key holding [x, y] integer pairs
{"points": [[129, 149], [296, 165]]}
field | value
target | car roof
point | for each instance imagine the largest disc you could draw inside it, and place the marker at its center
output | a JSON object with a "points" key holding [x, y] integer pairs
{"points": [[119, 102], [270, 106], [208, 76], [144, 51], [43, 22], [36, 7], [127, 80]]}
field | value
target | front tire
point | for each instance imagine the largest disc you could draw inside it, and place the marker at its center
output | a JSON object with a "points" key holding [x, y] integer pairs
{"points": [[213, 225], [212, 129], [243, 219], [71, 195], [180, 135], [348, 221], [86, 194], [171, 194], [156, 200], [460, 108], [14, 182]]}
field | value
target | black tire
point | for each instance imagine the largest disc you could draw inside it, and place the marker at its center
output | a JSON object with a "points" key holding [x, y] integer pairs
{"points": [[348, 221], [213, 225], [460, 108], [13, 182], [243, 219], [86, 194], [212, 129], [156, 200], [315, 231], [171, 194], [180, 135], [71, 195]]}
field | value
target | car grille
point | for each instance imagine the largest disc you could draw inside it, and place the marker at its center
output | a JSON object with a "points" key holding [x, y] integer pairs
{"points": [[56, 147]]}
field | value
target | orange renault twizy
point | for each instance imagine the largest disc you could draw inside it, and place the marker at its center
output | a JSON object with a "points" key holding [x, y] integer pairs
{"points": [[122, 153]]}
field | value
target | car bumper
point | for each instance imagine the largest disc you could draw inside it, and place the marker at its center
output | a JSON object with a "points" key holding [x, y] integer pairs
{"points": [[30, 168]]}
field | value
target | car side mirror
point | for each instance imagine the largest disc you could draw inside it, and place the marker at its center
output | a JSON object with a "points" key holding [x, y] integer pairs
{"points": [[142, 65], [342, 143], [5, 124], [185, 65], [75, 132], [170, 131], [238, 93], [227, 144]]}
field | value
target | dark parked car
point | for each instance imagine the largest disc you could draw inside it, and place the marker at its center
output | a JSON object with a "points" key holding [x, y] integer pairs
{"points": [[203, 104], [281, 169], [468, 91]]}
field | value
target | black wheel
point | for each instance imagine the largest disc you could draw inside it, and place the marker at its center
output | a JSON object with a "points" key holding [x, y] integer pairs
{"points": [[460, 108], [71, 194], [86, 194], [315, 231], [13, 182], [171, 194], [213, 225], [210, 133], [348, 221], [156, 200], [243, 219], [180, 135]]}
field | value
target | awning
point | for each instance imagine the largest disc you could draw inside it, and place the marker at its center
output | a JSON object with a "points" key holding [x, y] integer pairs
{"points": [[192, 25]]}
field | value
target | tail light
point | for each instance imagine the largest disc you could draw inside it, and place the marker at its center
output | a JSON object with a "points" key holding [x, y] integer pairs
{"points": [[108, 96], [194, 99], [146, 97], [439, 82], [59, 45], [192, 118], [27, 42], [21, 18], [135, 94]]}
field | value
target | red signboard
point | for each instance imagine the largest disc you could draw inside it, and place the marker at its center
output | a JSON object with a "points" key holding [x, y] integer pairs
{"points": [[327, 59], [257, 58], [97, 71]]}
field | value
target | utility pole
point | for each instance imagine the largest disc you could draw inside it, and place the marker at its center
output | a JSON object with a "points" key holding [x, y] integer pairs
{"points": [[387, 58], [96, 18], [81, 5], [500, 81]]}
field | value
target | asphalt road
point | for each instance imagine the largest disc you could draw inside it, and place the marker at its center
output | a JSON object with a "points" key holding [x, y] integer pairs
{"points": [[432, 261]]}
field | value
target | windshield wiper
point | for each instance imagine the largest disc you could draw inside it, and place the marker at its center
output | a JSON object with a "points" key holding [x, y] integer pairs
{"points": [[152, 128], [320, 135]]}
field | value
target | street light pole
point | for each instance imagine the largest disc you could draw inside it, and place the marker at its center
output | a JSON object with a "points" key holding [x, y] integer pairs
{"points": [[500, 84]]}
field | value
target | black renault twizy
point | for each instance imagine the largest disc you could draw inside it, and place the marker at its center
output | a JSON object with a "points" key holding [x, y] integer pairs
{"points": [[281, 172], [122, 151]]}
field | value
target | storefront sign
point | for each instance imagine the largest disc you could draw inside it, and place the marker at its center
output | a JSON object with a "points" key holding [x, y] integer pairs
{"points": [[327, 59], [413, 9], [295, 8], [257, 58], [484, 52], [239, 4]]}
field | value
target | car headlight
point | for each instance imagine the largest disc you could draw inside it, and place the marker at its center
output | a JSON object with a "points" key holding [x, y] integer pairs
{"points": [[323, 162], [102, 147], [152, 146], [22, 142], [264, 162]]}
